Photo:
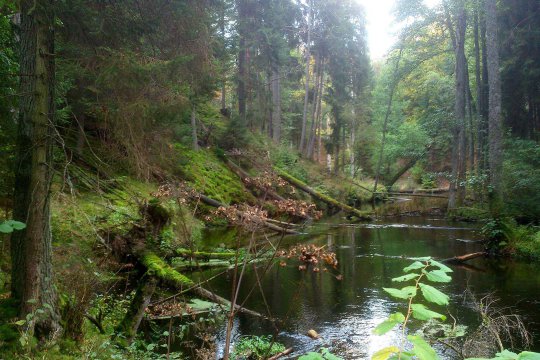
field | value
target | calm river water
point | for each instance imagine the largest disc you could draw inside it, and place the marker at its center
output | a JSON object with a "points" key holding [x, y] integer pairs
{"points": [[345, 312]]}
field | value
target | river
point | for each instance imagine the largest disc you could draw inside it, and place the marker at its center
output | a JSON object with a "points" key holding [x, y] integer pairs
{"points": [[344, 312]]}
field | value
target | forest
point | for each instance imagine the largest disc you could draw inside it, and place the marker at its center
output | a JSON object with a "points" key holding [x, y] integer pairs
{"points": [[249, 179]]}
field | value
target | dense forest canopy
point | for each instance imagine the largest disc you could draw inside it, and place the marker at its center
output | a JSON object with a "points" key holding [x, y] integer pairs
{"points": [[224, 102]]}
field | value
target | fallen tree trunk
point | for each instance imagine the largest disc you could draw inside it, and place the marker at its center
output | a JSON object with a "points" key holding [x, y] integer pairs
{"points": [[415, 195], [244, 175], [204, 255], [362, 215], [466, 257], [164, 272], [131, 321], [205, 199]]}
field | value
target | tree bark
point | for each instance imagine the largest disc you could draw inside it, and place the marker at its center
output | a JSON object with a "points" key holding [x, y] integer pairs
{"points": [[194, 138], [306, 90], [309, 147], [393, 86], [459, 155], [31, 249], [242, 60], [317, 114], [479, 96], [130, 324], [276, 105], [495, 118]]}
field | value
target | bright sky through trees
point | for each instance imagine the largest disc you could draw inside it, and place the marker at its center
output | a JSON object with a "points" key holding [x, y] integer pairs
{"points": [[381, 29]]}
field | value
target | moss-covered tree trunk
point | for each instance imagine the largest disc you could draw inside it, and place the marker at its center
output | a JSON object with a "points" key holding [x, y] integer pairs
{"points": [[31, 249], [132, 320], [322, 197]]}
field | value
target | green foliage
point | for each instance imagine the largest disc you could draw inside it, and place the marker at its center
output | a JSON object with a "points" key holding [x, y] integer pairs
{"points": [[508, 355], [7, 227], [256, 347], [210, 176], [498, 232], [323, 354], [288, 160], [9, 67], [471, 214], [522, 179], [432, 271]]}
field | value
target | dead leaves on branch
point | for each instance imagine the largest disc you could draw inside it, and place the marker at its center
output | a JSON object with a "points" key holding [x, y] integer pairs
{"points": [[268, 180], [298, 208], [310, 257], [247, 217]]}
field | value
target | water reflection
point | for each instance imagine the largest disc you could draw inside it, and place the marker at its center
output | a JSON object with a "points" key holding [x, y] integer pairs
{"points": [[345, 312]]}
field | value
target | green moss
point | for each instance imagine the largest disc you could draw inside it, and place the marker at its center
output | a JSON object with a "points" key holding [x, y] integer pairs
{"points": [[467, 214], [205, 255], [210, 176], [159, 268]]}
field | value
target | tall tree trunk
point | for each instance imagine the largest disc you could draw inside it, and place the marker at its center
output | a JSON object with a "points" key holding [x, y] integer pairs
{"points": [[224, 80], [194, 138], [479, 96], [459, 158], [276, 105], [317, 94], [393, 86], [495, 118], [306, 90], [31, 249], [485, 92], [242, 60]]}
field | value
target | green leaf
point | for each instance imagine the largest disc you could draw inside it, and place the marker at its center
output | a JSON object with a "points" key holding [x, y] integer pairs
{"points": [[441, 266], [528, 355], [385, 353], [16, 225], [506, 355], [20, 322], [405, 355], [405, 293], [414, 266], [5, 228], [406, 277], [437, 276], [433, 295], [311, 356], [423, 258], [420, 312], [198, 304], [422, 349], [389, 323]]}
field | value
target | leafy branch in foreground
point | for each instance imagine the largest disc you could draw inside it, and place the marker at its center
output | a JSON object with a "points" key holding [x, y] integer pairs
{"points": [[419, 272], [422, 270], [8, 226]]}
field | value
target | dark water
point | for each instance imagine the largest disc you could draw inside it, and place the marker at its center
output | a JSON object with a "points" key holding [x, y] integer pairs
{"points": [[345, 312]]}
